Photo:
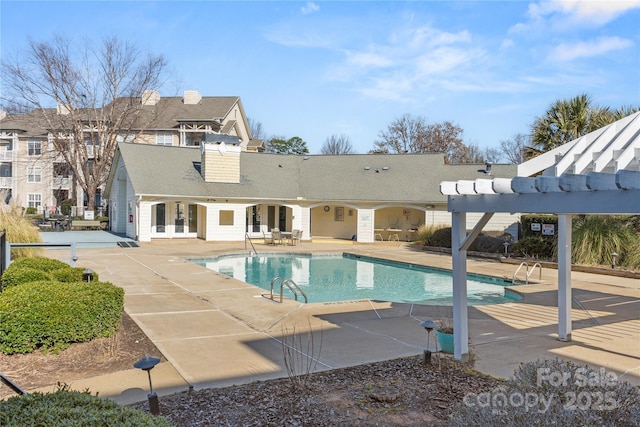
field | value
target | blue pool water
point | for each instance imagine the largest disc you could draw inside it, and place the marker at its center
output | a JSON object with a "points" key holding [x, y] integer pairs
{"points": [[325, 278]]}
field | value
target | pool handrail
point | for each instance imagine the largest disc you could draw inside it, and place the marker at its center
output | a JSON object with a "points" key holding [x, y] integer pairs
{"points": [[290, 284]]}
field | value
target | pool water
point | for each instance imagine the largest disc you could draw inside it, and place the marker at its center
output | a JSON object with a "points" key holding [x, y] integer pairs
{"points": [[328, 278]]}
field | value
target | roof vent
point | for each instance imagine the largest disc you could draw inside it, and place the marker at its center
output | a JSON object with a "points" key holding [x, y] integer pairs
{"points": [[385, 168]]}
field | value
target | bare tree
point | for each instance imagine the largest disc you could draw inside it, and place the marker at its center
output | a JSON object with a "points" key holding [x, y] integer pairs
{"points": [[337, 145], [492, 155], [410, 134], [257, 130], [88, 97], [514, 149]]}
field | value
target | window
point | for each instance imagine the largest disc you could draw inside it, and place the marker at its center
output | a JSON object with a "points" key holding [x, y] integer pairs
{"points": [[164, 138], [34, 174], [226, 217], [339, 214], [126, 137], [34, 200], [34, 148]]}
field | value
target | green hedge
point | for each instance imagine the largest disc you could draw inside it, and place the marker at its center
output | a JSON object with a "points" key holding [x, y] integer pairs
{"points": [[25, 270], [535, 247], [50, 315], [16, 276], [40, 263], [72, 409]]}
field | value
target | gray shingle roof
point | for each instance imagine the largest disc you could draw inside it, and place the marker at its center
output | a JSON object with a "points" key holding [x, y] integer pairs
{"points": [[406, 178]]}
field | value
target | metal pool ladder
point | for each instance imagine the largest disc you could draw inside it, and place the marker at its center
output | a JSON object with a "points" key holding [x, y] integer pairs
{"points": [[527, 273], [291, 285]]}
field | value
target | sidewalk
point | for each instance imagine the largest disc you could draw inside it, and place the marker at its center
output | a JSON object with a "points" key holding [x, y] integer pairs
{"points": [[215, 331]]}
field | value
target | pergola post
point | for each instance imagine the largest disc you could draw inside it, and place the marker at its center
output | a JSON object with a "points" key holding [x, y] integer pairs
{"points": [[459, 259], [564, 277]]}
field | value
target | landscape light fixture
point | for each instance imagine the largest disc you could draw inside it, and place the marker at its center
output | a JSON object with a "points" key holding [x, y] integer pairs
{"points": [[429, 325], [87, 275], [146, 363], [613, 259]]}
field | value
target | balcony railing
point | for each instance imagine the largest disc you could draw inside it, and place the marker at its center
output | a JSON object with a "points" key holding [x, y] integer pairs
{"points": [[61, 181], [6, 155], [6, 182]]}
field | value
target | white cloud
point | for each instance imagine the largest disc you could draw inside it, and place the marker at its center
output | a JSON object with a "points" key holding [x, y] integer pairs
{"points": [[596, 12], [367, 59], [309, 8], [566, 14], [568, 52]]}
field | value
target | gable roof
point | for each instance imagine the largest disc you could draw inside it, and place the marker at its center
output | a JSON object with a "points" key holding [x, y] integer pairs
{"points": [[403, 178]]}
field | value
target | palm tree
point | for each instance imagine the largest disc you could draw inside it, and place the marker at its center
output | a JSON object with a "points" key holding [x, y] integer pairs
{"points": [[564, 121]]}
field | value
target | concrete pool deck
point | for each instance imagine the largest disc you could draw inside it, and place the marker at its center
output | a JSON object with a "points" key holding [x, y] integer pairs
{"points": [[215, 331]]}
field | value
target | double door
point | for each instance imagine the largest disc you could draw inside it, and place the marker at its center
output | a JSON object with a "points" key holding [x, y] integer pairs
{"points": [[175, 219]]}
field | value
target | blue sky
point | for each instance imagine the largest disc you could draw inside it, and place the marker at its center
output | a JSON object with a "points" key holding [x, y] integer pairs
{"points": [[314, 69]]}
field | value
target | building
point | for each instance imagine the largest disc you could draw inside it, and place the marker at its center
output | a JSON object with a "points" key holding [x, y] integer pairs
{"points": [[33, 174], [221, 192]]}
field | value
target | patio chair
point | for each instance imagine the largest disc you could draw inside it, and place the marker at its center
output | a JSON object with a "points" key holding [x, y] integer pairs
{"points": [[276, 236], [394, 225], [268, 238], [296, 237]]}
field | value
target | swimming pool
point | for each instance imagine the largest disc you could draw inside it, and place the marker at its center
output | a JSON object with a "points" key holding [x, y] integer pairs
{"points": [[338, 277]]}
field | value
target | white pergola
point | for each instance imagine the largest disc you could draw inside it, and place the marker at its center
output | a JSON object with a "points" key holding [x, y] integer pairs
{"points": [[598, 173]]}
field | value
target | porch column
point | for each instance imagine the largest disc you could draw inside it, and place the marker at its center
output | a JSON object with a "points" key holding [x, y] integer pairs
{"points": [[460, 315], [143, 221], [564, 277], [365, 225]]}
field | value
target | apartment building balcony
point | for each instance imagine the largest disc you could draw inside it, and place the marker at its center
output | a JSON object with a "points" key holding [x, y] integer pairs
{"points": [[7, 155], [6, 182], [61, 182]]}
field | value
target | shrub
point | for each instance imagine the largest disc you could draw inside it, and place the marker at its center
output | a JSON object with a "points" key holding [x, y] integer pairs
{"points": [[72, 274], [534, 247], [425, 233], [632, 258], [51, 315], [440, 237], [65, 207], [19, 230], [490, 244], [17, 276], [554, 392], [40, 263], [31, 210], [72, 409], [596, 237]]}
